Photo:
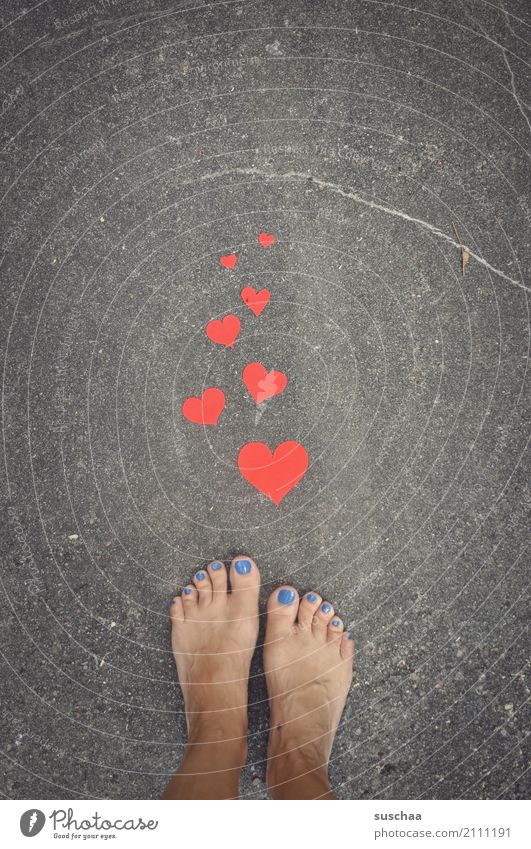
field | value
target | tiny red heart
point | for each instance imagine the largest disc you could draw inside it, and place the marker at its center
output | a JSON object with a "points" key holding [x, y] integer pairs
{"points": [[267, 239], [276, 473], [224, 332], [263, 384], [256, 301], [205, 410], [229, 260]]}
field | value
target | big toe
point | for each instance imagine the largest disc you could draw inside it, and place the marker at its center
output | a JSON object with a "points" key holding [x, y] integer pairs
{"points": [[282, 608]]}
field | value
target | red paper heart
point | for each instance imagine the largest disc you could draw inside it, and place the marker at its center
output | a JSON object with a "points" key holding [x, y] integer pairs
{"points": [[224, 332], [256, 301], [273, 474], [267, 239], [229, 260], [263, 384], [205, 410]]}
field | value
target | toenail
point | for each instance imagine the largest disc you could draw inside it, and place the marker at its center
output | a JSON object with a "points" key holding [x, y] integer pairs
{"points": [[200, 576], [172, 601], [336, 623], [243, 567], [350, 637], [286, 596], [187, 591], [311, 598], [326, 608], [216, 566]]}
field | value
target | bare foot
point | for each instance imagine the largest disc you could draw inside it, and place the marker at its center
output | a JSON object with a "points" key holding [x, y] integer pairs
{"points": [[214, 634], [308, 665]]}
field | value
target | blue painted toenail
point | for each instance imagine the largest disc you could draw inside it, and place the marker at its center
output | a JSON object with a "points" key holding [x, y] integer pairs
{"points": [[216, 566], [350, 637], [311, 597], [326, 608], [243, 567], [286, 596], [200, 576], [187, 591], [173, 601], [336, 623]]}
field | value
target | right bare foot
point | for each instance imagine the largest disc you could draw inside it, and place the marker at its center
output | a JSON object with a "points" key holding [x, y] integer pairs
{"points": [[308, 666]]}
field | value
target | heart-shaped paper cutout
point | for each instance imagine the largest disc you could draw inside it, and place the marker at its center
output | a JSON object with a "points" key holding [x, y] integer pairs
{"points": [[205, 410], [267, 239], [256, 301], [263, 384], [273, 474], [229, 260], [224, 332]]}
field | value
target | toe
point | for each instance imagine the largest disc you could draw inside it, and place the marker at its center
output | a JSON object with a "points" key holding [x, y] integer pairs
{"points": [[282, 608], [218, 577], [309, 604], [203, 586], [335, 628], [245, 585], [176, 610], [189, 598], [323, 615], [347, 646]]}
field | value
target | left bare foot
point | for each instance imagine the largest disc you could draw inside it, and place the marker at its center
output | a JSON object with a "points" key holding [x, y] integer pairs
{"points": [[214, 634]]}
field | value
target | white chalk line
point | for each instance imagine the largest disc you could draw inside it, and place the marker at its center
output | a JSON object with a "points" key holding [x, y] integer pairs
{"points": [[352, 195]]}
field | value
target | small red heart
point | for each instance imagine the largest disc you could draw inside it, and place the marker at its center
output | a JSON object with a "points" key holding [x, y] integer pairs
{"points": [[256, 301], [273, 474], [263, 384], [205, 410], [229, 260], [267, 239], [224, 332]]}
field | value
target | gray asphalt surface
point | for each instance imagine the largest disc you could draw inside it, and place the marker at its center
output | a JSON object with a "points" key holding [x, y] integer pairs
{"points": [[142, 140]]}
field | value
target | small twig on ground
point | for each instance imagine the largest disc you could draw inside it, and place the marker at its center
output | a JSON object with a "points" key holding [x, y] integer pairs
{"points": [[463, 253]]}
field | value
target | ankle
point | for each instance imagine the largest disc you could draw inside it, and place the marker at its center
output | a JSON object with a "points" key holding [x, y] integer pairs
{"points": [[299, 777], [224, 730], [210, 769], [297, 772]]}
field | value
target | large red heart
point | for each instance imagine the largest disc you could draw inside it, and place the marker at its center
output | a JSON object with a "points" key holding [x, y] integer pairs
{"points": [[267, 239], [256, 301], [205, 410], [224, 332], [273, 474], [228, 261], [263, 384]]}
